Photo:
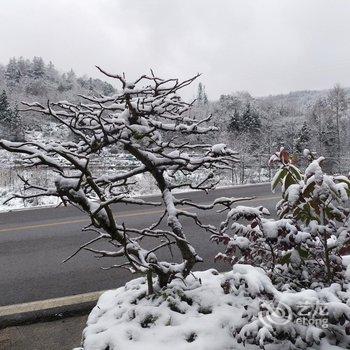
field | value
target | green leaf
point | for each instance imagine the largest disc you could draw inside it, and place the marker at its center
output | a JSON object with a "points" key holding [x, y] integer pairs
{"points": [[305, 214], [285, 259], [295, 171], [288, 181], [283, 212], [278, 178], [309, 189], [303, 253]]}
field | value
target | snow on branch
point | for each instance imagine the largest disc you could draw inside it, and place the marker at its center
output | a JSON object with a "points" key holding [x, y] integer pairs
{"points": [[149, 120]]}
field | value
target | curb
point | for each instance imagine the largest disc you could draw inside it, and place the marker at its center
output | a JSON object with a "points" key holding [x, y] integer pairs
{"points": [[47, 310]]}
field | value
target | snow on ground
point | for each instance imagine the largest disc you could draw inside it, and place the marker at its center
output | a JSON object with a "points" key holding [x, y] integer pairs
{"points": [[195, 315], [20, 204], [145, 184]]}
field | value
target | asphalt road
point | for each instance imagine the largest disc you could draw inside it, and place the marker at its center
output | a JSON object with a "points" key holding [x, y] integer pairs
{"points": [[34, 242]]}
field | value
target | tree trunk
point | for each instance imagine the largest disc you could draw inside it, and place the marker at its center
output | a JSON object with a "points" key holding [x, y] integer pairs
{"points": [[150, 282]]}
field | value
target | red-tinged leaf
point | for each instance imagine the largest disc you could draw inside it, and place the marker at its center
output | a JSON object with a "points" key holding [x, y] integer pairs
{"points": [[284, 156]]}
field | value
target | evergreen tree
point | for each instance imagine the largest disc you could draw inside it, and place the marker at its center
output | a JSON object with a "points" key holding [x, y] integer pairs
{"points": [[5, 111], [329, 139], [38, 68], [13, 73], [15, 124], [51, 72], [201, 95], [71, 80], [65, 83], [4, 104], [235, 122], [24, 67], [107, 89], [303, 139], [10, 121], [223, 110], [91, 85], [250, 120]]}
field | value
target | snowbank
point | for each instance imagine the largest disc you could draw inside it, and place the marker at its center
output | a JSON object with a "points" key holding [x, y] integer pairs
{"points": [[195, 315]]}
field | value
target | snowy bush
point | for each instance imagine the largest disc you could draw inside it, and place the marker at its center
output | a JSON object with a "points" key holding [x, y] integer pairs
{"points": [[302, 248], [147, 120], [291, 268], [318, 205], [213, 311], [293, 320]]}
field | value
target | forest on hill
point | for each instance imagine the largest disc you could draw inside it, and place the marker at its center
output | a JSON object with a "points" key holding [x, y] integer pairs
{"points": [[22, 79], [254, 126]]}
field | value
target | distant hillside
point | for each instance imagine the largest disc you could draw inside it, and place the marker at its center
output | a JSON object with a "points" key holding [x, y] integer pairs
{"points": [[251, 125], [300, 100], [35, 80]]}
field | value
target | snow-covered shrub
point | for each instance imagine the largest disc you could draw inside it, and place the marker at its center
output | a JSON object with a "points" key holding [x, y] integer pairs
{"points": [[193, 314], [289, 319], [149, 122], [318, 205], [302, 248], [291, 268], [211, 311]]}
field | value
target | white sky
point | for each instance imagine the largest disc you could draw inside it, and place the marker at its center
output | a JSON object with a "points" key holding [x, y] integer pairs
{"points": [[262, 46]]}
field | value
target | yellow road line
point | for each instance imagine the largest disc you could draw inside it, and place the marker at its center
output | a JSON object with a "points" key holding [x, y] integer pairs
{"points": [[20, 228], [77, 221]]}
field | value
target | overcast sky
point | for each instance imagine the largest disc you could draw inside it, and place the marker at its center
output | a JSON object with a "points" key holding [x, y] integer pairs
{"points": [[262, 46]]}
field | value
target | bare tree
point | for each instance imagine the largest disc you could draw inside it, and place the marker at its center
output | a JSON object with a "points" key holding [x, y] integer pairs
{"points": [[147, 119], [338, 104]]}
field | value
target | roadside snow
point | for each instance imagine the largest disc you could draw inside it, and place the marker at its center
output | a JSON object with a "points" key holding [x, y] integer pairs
{"points": [[144, 186], [18, 203]]}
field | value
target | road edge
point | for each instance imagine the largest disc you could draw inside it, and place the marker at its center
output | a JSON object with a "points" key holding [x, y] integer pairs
{"points": [[48, 206], [47, 310]]}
